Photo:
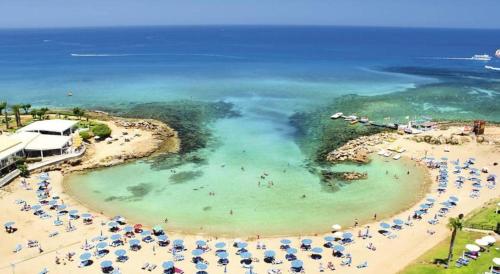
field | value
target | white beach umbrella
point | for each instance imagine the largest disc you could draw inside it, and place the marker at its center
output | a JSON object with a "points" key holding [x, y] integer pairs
{"points": [[472, 248], [338, 235], [489, 239], [481, 242], [336, 227], [496, 261]]}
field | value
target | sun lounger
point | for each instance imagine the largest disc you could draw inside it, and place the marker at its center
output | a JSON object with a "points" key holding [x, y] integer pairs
{"points": [[53, 234], [151, 267], [363, 265], [18, 248], [44, 271], [144, 266]]}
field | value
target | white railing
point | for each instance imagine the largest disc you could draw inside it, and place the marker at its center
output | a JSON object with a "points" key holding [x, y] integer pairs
{"points": [[9, 177], [57, 159]]}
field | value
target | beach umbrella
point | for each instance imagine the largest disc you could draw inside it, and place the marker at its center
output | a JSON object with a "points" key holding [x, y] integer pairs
{"points": [[337, 235], [385, 225], [120, 252], [168, 265], [431, 200], [61, 207], [472, 248], [128, 229], [201, 266], [306, 241], [201, 243], [106, 264], [453, 198], [222, 255], [269, 253], [178, 243], [489, 239], [52, 202], [317, 250], [87, 216], [329, 238], [113, 224], [291, 251], [347, 235], [242, 245], [424, 206], [286, 241], [158, 228], [246, 255], [9, 224], [73, 212], [496, 261], [297, 264], [138, 226], [134, 242], [116, 237], [36, 207], [336, 227], [339, 248], [85, 256], [146, 233], [398, 222], [162, 238], [481, 242], [197, 252], [101, 245], [419, 212], [220, 245]]}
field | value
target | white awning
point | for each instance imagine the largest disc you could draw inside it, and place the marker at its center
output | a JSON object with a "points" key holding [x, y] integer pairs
{"points": [[49, 125], [9, 146], [48, 142]]}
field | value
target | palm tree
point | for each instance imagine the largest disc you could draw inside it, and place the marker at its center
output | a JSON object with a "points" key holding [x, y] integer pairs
{"points": [[3, 106], [78, 112], [17, 113], [454, 224], [26, 108]]}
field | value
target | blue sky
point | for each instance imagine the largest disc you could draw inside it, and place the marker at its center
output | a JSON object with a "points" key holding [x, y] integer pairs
{"points": [[405, 13]]}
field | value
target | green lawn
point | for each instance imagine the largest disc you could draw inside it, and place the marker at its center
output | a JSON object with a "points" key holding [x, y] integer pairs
{"points": [[427, 262]]}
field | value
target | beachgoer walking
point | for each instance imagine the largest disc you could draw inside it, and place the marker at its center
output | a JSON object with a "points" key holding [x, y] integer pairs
{"points": [[375, 216], [356, 222]]}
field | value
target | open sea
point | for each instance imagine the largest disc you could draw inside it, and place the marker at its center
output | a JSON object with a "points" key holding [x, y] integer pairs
{"points": [[268, 73]]}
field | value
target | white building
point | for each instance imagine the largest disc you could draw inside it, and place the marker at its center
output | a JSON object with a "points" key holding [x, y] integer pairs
{"points": [[51, 127], [9, 150]]}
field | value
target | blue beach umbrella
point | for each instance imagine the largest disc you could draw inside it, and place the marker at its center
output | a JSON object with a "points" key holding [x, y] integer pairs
{"points": [[106, 264], [329, 238], [101, 245], [73, 212], [222, 255], [297, 264], [385, 225], [62, 207], [178, 243], [220, 245], [85, 256], [201, 266], [291, 251], [286, 241], [162, 238], [339, 248], [197, 252], [269, 253], [347, 235], [201, 243], [158, 228], [116, 237], [453, 198], [431, 200], [242, 245], [134, 242], [168, 265], [307, 241], [53, 202], [317, 250], [120, 252], [36, 207], [419, 212], [128, 229], [398, 221], [86, 216], [246, 255], [424, 206], [9, 224], [145, 233], [113, 224]]}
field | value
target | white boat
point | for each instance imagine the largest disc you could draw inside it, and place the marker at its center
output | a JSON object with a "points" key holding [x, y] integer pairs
{"points": [[351, 118], [363, 120], [481, 57], [492, 68], [387, 154], [337, 115], [396, 157], [381, 152]]}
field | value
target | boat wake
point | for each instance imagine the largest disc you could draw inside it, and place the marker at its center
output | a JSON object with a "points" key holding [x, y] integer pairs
{"points": [[492, 68], [155, 54], [447, 58]]}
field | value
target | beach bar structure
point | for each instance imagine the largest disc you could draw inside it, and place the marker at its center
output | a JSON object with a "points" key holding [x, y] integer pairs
{"points": [[51, 127], [10, 149]]}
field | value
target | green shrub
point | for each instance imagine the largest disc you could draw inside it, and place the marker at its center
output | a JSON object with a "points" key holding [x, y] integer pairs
{"points": [[101, 130], [86, 135]]}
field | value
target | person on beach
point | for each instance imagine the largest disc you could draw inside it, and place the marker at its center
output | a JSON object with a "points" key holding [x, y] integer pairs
{"points": [[231, 212], [375, 216], [166, 220], [356, 222]]}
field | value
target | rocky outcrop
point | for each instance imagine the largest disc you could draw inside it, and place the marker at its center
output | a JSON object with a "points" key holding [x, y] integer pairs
{"points": [[357, 150], [452, 139]]}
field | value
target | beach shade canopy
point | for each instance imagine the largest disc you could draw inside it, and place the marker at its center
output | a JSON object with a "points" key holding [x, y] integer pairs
{"points": [[419, 212], [138, 226], [246, 255], [453, 198], [106, 264], [158, 228], [115, 237], [337, 235], [424, 206], [134, 242], [9, 224], [201, 266], [120, 252], [220, 245], [61, 207], [329, 238], [222, 255], [472, 248], [339, 248], [113, 224], [398, 221], [168, 265], [178, 242], [36, 207], [297, 264], [269, 253], [146, 233], [201, 243], [197, 252], [307, 241], [73, 212], [347, 235], [317, 250], [101, 245], [336, 227], [285, 241], [496, 261], [242, 245], [489, 239], [481, 242], [85, 256], [87, 216], [291, 251], [53, 202], [128, 229], [162, 238]]}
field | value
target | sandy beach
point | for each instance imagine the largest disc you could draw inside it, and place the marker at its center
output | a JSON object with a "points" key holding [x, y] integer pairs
{"points": [[412, 241]]}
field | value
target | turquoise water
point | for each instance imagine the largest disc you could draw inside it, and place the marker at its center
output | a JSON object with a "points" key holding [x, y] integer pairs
{"points": [[268, 73]]}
